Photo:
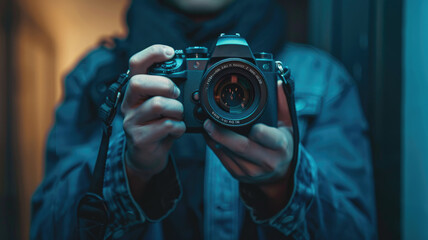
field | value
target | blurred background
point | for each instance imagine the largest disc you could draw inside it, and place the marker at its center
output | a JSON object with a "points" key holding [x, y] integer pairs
{"points": [[383, 44]]}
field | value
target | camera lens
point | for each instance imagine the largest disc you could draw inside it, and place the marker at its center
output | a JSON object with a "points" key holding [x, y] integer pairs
{"points": [[233, 93]]}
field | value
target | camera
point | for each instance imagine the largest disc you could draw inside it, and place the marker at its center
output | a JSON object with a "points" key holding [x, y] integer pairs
{"points": [[230, 85]]}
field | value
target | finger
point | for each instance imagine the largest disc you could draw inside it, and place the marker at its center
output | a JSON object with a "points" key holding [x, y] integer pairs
{"points": [[248, 168], [156, 131], [141, 87], [239, 144], [235, 170], [288, 134], [156, 108], [141, 61], [153, 109], [241, 169], [231, 165], [269, 137], [168, 141], [283, 111]]}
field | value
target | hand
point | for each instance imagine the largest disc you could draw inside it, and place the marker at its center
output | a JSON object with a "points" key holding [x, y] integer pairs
{"points": [[262, 158], [152, 115]]}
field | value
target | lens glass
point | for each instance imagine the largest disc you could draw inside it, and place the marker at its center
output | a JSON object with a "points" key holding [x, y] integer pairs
{"points": [[234, 93]]}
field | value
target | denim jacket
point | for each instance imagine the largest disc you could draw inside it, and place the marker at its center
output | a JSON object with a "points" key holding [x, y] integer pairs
{"points": [[195, 197]]}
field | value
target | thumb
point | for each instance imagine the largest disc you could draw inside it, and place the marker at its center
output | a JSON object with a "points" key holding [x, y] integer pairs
{"points": [[284, 117], [141, 61]]}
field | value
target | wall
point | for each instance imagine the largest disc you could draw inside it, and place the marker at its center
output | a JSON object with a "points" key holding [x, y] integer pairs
{"points": [[75, 26], [50, 37], [415, 121]]}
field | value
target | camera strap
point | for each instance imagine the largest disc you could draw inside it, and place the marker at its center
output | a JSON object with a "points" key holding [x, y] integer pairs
{"points": [[92, 212], [288, 87]]}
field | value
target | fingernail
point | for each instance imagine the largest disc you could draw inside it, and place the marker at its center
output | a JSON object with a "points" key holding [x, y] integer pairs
{"points": [[169, 52], [208, 126], [177, 91]]}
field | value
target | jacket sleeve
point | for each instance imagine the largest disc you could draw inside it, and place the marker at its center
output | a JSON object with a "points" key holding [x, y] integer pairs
{"points": [[333, 195], [128, 216]]}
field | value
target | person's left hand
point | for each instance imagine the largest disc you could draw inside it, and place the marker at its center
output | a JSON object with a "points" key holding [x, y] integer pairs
{"points": [[263, 156]]}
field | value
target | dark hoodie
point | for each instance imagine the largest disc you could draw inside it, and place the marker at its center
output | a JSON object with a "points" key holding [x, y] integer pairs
{"points": [[260, 22]]}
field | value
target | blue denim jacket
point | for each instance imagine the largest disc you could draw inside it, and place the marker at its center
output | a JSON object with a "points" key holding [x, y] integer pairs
{"points": [[195, 197]]}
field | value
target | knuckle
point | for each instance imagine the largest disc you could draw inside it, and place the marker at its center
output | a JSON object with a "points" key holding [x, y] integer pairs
{"points": [[132, 139], [259, 134], [258, 127], [134, 61], [157, 104], [180, 125], [281, 143], [170, 87], [284, 143], [168, 124], [134, 83], [137, 141], [180, 107], [257, 131], [243, 148], [183, 127], [278, 167], [126, 123]]}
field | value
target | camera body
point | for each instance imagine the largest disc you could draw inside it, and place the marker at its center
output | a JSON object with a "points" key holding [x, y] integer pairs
{"points": [[231, 85]]}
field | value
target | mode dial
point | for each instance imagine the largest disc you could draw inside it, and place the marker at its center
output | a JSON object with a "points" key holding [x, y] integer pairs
{"points": [[196, 52]]}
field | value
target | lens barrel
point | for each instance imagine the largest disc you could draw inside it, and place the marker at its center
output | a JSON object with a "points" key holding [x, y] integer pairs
{"points": [[233, 92]]}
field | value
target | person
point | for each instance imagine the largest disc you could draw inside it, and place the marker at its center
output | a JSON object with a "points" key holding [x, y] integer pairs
{"points": [[161, 183]]}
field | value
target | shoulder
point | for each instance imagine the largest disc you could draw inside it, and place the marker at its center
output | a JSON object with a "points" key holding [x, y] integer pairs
{"points": [[97, 65], [315, 71], [86, 85]]}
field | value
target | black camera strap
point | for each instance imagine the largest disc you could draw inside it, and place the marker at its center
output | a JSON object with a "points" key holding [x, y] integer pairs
{"points": [[92, 212], [288, 87]]}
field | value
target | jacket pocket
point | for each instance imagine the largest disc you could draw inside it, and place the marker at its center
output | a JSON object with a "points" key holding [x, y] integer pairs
{"points": [[308, 106]]}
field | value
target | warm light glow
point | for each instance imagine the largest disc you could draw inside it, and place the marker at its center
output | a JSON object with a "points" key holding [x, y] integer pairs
{"points": [[51, 37]]}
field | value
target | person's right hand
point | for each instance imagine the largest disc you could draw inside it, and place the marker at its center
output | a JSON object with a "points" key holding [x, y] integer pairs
{"points": [[152, 115]]}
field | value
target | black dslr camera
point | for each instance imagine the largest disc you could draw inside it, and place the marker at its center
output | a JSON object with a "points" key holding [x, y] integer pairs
{"points": [[231, 85]]}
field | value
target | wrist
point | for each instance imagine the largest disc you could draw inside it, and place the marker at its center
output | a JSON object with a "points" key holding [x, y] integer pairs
{"points": [[135, 171], [278, 193], [137, 179]]}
